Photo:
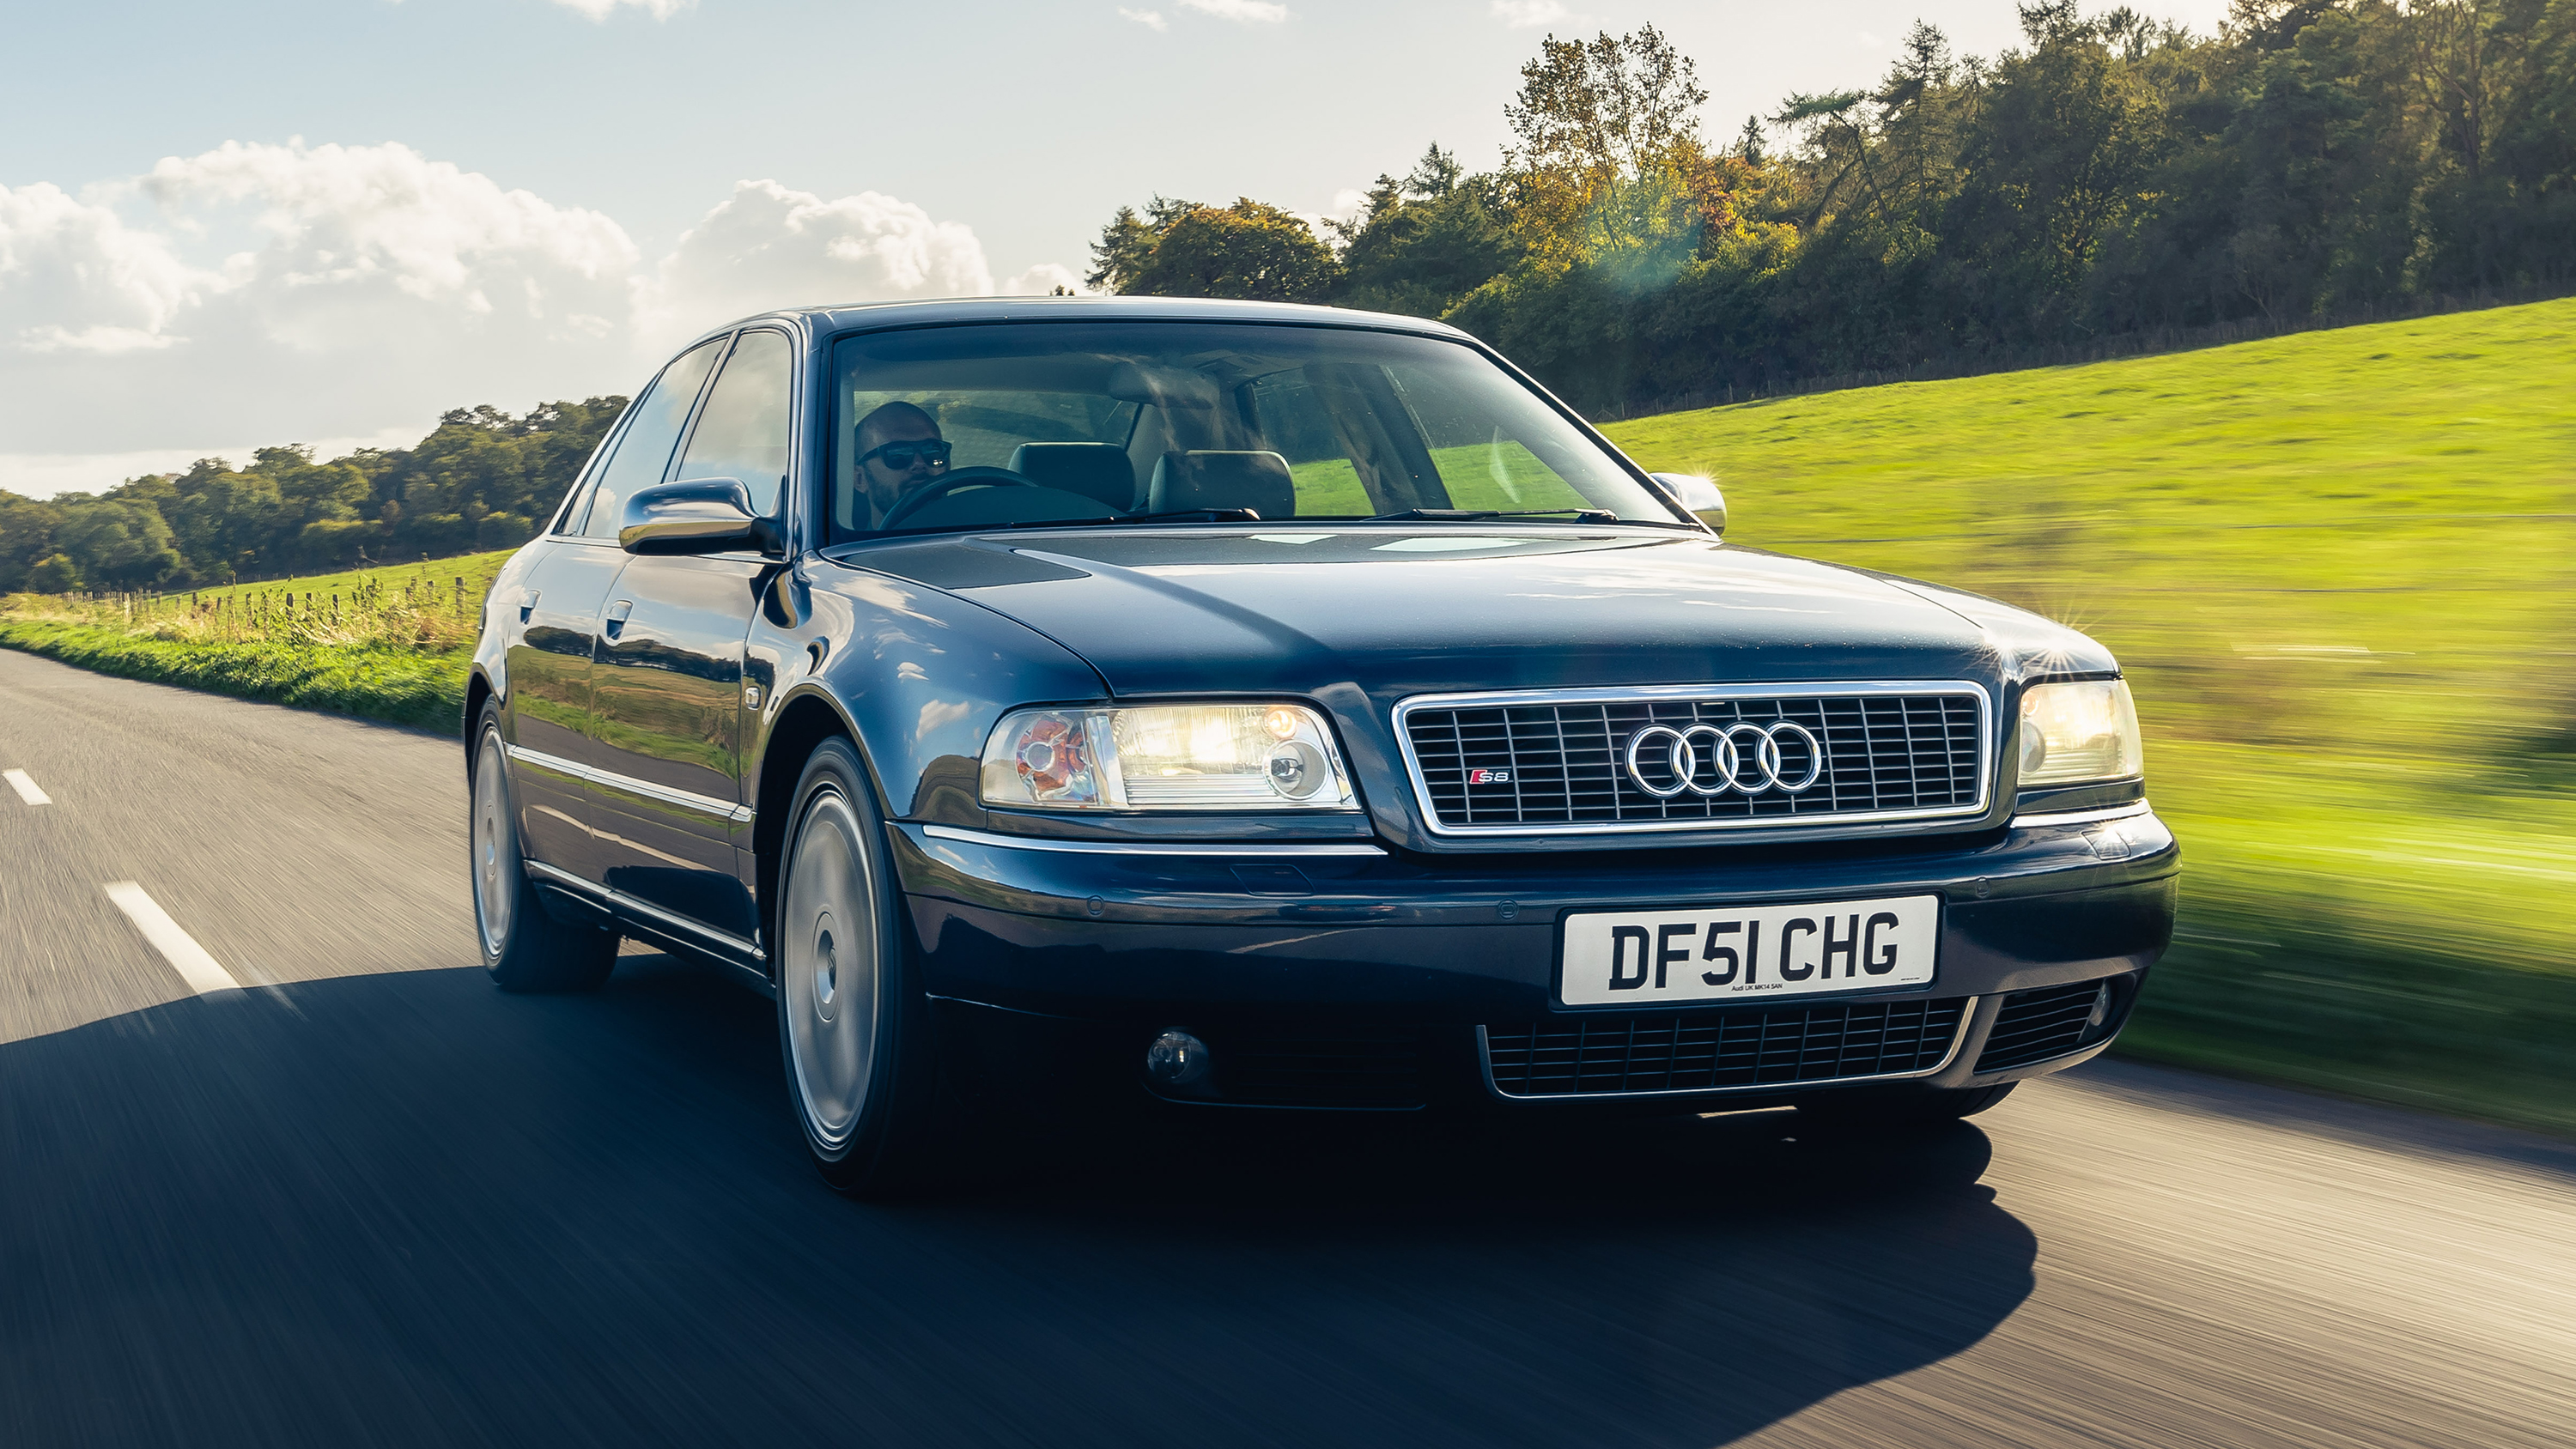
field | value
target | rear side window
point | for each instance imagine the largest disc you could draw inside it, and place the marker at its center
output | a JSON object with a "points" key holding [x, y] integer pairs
{"points": [[742, 434], [645, 450]]}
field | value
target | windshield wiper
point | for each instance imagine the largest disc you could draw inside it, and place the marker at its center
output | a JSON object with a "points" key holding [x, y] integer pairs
{"points": [[1471, 515], [1179, 515]]}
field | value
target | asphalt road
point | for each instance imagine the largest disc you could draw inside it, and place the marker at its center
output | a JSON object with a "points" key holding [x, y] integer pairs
{"points": [[366, 1199]]}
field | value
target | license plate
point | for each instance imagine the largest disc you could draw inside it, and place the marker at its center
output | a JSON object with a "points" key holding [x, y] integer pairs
{"points": [[1700, 953]]}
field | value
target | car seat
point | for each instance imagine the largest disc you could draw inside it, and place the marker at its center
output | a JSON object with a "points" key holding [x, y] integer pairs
{"points": [[1206, 478], [1097, 470]]}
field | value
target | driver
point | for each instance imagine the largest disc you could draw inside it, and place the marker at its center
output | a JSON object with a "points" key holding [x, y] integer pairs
{"points": [[899, 450]]}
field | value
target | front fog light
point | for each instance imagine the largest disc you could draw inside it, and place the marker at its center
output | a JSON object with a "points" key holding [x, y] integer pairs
{"points": [[1166, 757], [1177, 1059]]}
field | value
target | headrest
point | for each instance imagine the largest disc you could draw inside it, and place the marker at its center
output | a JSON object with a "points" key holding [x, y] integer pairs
{"points": [[1098, 469], [1204, 478]]}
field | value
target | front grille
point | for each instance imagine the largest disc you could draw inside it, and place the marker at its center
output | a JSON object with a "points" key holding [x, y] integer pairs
{"points": [[2036, 1025], [1555, 762], [1779, 1046], [1338, 1065]]}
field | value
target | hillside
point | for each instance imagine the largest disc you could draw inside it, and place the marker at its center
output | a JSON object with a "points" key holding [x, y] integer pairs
{"points": [[2341, 570]]}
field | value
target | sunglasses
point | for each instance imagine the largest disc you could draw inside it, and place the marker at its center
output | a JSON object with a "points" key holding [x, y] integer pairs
{"points": [[901, 456]]}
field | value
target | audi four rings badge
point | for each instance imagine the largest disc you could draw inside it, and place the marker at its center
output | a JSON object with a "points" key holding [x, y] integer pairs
{"points": [[1744, 756]]}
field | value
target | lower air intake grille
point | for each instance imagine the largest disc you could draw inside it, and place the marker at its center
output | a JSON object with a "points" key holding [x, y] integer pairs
{"points": [[1323, 1066], [1783, 1046], [2036, 1025]]}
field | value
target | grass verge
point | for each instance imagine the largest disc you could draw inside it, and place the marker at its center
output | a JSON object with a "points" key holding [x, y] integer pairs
{"points": [[398, 686]]}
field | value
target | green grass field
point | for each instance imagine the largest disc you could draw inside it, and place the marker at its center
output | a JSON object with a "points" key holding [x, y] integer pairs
{"points": [[2340, 568], [436, 576], [386, 643]]}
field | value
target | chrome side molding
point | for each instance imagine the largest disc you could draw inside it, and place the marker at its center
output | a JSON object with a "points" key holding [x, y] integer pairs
{"points": [[611, 780]]}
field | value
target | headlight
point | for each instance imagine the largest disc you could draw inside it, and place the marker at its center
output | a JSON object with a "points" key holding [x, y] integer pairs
{"points": [[2076, 732], [1166, 757]]}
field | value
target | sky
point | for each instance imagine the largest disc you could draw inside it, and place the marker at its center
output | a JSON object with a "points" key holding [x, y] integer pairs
{"points": [[328, 221]]}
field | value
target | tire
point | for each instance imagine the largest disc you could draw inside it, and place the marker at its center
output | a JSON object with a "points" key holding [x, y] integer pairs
{"points": [[854, 1027], [1867, 1111], [524, 947]]}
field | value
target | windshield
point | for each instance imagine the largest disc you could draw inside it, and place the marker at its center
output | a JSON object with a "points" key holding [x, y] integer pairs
{"points": [[987, 426]]}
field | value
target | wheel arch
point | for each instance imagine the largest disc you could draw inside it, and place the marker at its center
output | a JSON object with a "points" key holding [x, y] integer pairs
{"points": [[808, 718], [478, 690]]}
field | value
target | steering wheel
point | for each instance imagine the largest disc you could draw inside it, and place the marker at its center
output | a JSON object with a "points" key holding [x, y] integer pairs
{"points": [[949, 482]]}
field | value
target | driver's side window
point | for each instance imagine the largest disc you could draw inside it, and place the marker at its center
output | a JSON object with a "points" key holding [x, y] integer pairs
{"points": [[645, 451], [742, 433]]}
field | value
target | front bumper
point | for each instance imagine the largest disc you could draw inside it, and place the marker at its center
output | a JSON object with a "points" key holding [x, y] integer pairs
{"points": [[1066, 961]]}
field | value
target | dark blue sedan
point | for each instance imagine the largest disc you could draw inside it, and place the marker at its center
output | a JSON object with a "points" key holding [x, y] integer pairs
{"points": [[1268, 707]]}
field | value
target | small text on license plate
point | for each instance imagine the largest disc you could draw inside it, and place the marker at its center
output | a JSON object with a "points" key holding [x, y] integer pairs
{"points": [[1721, 953]]}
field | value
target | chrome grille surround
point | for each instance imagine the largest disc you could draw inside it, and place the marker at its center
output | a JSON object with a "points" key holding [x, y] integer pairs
{"points": [[1580, 766]]}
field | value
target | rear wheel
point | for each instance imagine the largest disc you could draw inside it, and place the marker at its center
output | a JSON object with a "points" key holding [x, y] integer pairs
{"points": [[853, 1023], [524, 948], [1862, 1110]]}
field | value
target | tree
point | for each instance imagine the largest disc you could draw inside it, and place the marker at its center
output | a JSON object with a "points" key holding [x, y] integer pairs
{"points": [[119, 543], [1608, 161], [1420, 244], [2057, 163], [482, 479], [1126, 245], [1249, 250]]}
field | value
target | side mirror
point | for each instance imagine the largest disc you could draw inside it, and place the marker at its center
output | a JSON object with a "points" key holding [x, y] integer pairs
{"points": [[1699, 496], [695, 515]]}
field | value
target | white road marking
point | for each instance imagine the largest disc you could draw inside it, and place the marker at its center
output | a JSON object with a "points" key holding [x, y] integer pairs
{"points": [[202, 972], [26, 787]]}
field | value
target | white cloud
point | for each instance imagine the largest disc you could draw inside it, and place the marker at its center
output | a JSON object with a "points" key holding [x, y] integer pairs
{"points": [[356, 239], [335, 292], [1259, 12], [767, 246], [1150, 19], [602, 9], [1041, 281], [1530, 14], [74, 277]]}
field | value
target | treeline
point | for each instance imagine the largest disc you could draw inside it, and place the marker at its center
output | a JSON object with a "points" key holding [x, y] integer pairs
{"points": [[482, 480], [2113, 176]]}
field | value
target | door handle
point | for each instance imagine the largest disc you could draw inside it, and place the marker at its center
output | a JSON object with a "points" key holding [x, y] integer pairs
{"points": [[617, 613]]}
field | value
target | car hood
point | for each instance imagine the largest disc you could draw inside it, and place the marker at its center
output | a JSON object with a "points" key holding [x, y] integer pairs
{"points": [[1401, 612]]}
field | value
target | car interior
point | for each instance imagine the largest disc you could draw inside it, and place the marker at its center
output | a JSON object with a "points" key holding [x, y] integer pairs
{"points": [[1070, 424]]}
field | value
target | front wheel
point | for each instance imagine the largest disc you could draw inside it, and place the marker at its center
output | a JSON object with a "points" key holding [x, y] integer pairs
{"points": [[853, 1023], [524, 948]]}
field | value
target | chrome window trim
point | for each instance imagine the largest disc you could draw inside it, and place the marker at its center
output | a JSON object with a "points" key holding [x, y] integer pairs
{"points": [[1120, 847], [611, 780], [1650, 693], [2084, 817], [1958, 1040]]}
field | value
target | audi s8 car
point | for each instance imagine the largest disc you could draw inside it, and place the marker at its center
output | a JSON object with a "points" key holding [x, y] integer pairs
{"points": [[1254, 708]]}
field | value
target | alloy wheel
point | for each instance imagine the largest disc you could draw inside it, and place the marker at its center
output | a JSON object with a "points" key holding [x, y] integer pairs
{"points": [[829, 977], [496, 851]]}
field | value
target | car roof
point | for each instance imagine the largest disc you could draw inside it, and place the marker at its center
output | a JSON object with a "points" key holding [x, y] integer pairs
{"points": [[862, 316]]}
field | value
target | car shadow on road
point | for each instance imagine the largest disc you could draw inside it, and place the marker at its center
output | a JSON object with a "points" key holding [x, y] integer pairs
{"points": [[405, 1208]]}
